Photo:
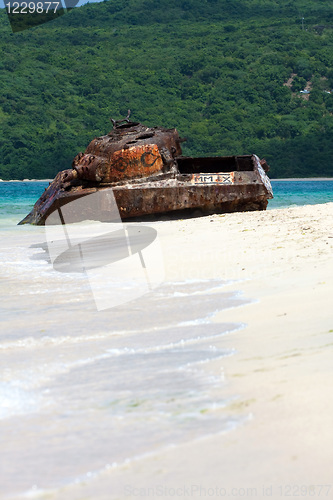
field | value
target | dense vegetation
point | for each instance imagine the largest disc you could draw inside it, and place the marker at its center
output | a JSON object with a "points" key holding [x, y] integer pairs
{"points": [[215, 69]]}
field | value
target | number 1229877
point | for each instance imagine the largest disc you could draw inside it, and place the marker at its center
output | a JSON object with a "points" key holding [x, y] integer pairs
{"points": [[31, 7]]}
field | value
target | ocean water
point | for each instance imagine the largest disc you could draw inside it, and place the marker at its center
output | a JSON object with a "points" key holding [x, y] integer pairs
{"points": [[17, 199], [83, 390], [300, 192]]}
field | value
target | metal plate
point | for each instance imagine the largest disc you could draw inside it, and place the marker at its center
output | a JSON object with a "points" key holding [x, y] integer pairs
{"points": [[220, 178]]}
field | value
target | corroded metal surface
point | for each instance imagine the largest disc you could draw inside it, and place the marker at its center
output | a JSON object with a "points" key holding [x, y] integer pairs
{"points": [[148, 175], [129, 151]]}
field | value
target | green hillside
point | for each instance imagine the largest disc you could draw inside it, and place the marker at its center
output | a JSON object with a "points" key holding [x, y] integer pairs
{"points": [[215, 69]]}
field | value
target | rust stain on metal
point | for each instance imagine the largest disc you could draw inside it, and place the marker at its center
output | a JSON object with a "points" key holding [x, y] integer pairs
{"points": [[137, 161], [148, 175]]}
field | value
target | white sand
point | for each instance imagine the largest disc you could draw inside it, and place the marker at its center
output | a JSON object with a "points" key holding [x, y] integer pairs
{"points": [[282, 372]]}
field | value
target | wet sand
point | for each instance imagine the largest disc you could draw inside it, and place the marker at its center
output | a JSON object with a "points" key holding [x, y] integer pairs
{"points": [[282, 372]]}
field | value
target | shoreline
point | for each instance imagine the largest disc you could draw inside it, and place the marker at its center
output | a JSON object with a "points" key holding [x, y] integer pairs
{"points": [[281, 258], [282, 365]]}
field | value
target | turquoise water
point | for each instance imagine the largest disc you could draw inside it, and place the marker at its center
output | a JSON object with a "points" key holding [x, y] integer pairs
{"points": [[300, 192], [17, 198]]}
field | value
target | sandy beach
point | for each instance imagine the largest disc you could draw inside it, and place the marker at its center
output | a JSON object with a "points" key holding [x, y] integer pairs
{"points": [[282, 372], [85, 389]]}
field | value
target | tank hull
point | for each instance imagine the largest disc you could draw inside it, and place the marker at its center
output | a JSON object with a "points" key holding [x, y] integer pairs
{"points": [[148, 175], [220, 192]]}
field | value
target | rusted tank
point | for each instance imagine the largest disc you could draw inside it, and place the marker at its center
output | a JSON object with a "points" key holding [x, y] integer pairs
{"points": [[145, 168]]}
